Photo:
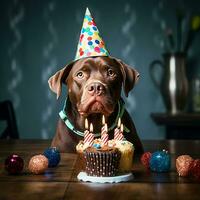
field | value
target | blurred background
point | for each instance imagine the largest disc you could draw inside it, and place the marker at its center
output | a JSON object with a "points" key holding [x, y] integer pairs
{"points": [[39, 37]]}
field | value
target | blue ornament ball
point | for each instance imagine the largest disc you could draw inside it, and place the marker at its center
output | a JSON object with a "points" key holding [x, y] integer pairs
{"points": [[53, 155], [160, 161]]}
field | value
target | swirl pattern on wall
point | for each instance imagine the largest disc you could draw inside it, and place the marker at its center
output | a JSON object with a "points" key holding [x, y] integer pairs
{"points": [[157, 15], [50, 65], [127, 50], [16, 16]]}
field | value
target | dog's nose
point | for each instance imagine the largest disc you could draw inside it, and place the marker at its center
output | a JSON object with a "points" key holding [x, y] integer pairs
{"points": [[96, 88]]}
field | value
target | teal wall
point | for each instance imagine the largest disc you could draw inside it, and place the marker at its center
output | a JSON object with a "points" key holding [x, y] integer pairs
{"points": [[39, 37]]}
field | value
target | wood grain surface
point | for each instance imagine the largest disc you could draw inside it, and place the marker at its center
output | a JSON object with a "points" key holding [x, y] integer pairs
{"points": [[61, 182]]}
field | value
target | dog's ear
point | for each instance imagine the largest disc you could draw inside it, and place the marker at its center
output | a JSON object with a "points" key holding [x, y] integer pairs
{"points": [[55, 81], [130, 76]]}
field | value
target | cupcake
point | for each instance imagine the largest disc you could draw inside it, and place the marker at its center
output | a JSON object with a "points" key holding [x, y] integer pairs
{"points": [[102, 161], [126, 149], [80, 147]]}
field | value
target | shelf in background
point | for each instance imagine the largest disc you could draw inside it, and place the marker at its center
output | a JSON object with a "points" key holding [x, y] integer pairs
{"points": [[179, 126]]}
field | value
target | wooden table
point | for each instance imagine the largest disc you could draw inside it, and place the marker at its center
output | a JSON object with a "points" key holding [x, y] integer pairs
{"points": [[61, 182]]}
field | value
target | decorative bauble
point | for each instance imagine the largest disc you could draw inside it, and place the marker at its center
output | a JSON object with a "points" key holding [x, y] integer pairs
{"points": [[195, 168], [38, 164], [145, 159], [183, 164], [53, 156], [160, 161], [14, 164]]}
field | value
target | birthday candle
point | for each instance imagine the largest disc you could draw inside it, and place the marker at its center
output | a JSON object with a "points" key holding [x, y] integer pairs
{"points": [[121, 132], [118, 133], [89, 136], [103, 129], [117, 129], [104, 136], [86, 132]]}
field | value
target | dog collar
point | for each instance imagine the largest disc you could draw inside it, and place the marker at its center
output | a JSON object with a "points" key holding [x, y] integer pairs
{"points": [[70, 126]]}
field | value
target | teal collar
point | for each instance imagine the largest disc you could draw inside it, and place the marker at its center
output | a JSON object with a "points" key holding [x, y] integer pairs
{"points": [[70, 126]]}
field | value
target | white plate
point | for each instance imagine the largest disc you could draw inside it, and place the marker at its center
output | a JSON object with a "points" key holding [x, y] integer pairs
{"points": [[82, 176]]}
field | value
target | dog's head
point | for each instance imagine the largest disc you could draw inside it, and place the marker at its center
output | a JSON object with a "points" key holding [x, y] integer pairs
{"points": [[94, 84]]}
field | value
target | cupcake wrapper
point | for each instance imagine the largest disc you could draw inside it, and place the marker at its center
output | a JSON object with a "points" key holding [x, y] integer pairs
{"points": [[102, 163]]}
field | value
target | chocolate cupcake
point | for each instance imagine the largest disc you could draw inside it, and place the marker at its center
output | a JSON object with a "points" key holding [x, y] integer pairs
{"points": [[102, 162], [80, 148]]}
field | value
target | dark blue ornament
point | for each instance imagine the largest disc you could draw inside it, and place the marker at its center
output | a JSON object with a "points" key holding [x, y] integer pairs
{"points": [[53, 156], [160, 161]]}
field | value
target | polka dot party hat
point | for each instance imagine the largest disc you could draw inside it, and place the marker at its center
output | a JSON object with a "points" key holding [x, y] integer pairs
{"points": [[90, 42]]}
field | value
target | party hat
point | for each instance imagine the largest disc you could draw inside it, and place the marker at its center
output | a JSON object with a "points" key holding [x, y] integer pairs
{"points": [[90, 42]]}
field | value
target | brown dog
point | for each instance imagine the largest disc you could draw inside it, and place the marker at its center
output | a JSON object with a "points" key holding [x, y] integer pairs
{"points": [[94, 89]]}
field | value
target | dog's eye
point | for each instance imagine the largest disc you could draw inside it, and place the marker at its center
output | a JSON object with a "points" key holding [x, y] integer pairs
{"points": [[80, 75], [110, 72]]}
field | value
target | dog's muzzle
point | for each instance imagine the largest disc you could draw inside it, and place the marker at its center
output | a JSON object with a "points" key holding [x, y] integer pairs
{"points": [[96, 88]]}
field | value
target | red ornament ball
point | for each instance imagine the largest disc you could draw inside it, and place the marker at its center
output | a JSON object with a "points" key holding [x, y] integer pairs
{"points": [[145, 159], [38, 164], [14, 164], [195, 168], [183, 163]]}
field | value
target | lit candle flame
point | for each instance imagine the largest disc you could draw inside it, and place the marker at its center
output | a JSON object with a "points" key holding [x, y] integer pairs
{"points": [[103, 120], [86, 124], [122, 128], [91, 128], [119, 122]]}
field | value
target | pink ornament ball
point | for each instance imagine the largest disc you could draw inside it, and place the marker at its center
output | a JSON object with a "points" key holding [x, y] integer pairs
{"points": [[14, 164], [38, 164], [145, 159], [183, 164]]}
